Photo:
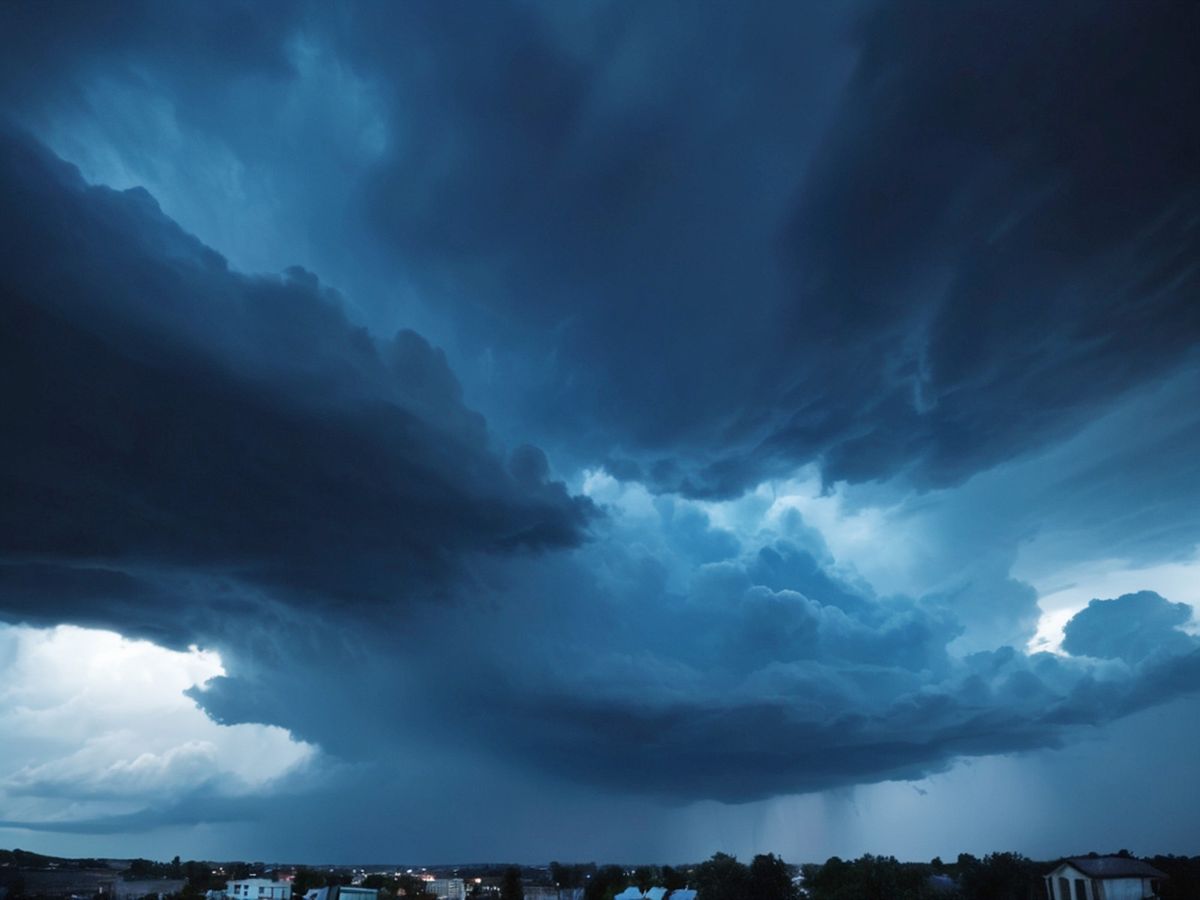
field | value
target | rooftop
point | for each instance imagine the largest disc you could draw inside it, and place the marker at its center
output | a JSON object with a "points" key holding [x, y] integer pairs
{"points": [[1114, 867]]}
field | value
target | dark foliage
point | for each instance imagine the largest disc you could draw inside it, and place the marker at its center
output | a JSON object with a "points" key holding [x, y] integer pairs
{"points": [[511, 887]]}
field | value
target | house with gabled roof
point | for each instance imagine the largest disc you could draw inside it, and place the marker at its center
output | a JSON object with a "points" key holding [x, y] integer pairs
{"points": [[1103, 878]]}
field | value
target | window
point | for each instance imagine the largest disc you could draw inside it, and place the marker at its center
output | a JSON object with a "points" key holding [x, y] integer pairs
{"points": [[1064, 889], [1080, 889]]}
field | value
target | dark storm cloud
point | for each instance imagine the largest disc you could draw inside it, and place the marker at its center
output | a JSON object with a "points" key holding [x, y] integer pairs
{"points": [[992, 234], [1004, 218], [169, 421], [735, 691], [706, 245], [47, 45], [616, 180], [598, 668], [700, 245]]}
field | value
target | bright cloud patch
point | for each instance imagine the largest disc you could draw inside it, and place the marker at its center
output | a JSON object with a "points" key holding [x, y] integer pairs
{"points": [[1065, 593], [97, 725]]}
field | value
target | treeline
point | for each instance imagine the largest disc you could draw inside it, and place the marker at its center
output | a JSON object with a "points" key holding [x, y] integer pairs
{"points": [[398, 886], [723, 877], [605, 882], [23, 859], [997, 876], [199, 875], [1183, 881]]}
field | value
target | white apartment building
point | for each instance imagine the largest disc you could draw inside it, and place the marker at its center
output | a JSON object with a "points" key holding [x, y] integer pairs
{"points": [[258, 889], [447, 888]]}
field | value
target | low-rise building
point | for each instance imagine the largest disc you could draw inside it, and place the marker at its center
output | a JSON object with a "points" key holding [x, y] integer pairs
{"points": [[447, 888], [1103, 878], [258, 889], [342, 892]]}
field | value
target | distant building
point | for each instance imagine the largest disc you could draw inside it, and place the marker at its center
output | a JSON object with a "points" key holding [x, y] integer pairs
{"points": [[258, 889], [1103, 878], [342, 892], [550, 892], [447, 888], [630, 893]]}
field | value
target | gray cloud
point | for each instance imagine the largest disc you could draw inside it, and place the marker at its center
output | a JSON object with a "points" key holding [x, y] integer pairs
{"points": [[920, 246], [179, 429], [1131, 627], [793, 235], [972, 265]]}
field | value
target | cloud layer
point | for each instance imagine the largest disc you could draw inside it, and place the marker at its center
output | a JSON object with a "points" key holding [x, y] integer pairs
{"points": [[702, 394], [180, 429]]}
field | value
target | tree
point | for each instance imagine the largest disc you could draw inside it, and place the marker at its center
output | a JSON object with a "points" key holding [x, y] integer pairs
{"points": [[771, 879], [16, 887], [605, 883], [673, 879], [722, 878], [381, 882], [867, 878], [643, 878], [511, 887], [570, 876], [304, 880], [1183, 877], [1001, 876], [411, 886]]}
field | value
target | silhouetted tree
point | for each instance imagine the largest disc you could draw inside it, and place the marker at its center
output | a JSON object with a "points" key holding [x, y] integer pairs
{"points": [[644, 878], [673, 879], [566, 876], [511, 887], [771, 879], [1183, 877], [303, 880], [607, 882], [1000, 876], [722, 878], [867, 878], [381, 882]]}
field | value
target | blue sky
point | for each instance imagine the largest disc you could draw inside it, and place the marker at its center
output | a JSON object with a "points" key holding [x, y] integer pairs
{"points": [[604, 431]]}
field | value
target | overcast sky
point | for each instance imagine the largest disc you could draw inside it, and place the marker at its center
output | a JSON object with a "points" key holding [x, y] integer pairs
{"points": [[619, 431]]}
